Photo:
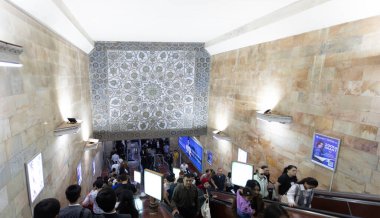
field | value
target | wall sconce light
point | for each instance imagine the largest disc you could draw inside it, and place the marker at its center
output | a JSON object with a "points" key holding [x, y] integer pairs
{"points": [[72, 120], [219, 135], [9, 55], [71, 126], [271, 117], [91, 144]]}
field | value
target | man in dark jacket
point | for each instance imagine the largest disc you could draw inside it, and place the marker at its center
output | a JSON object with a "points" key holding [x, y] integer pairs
{"points": [[74, 210], [220, 180], [125, 185], [185, 198], [106, 199]]}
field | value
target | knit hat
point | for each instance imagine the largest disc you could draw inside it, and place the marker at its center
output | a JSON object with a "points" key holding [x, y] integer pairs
{"points": [[204, 180], [246, 192]]}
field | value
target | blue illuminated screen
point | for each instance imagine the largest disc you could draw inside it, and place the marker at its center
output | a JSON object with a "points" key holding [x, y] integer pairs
{"points": [[193, 150]]}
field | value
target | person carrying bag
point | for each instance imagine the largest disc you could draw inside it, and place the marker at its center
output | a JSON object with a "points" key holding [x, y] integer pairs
{"points": [[205, 209]]}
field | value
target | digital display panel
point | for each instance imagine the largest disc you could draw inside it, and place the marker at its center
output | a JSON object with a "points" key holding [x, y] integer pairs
{"points": [[242, 156], [137, 176], [176, 172], [93, 168], [153, 184], [193, 150], [79, 173], [35, 177], [240, 173]]}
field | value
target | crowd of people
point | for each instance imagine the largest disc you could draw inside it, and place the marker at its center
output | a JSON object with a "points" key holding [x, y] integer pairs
{"points": [[106, 199], [113, 195], [188, 192]]}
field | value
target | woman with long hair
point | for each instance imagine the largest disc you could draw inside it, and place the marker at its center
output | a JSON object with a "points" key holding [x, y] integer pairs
{"points": [[286, 180], [127, 204], [301, 193], [257, 202]]}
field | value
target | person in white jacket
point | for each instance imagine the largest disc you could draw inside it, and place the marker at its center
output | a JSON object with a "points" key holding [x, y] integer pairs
{"points": [[301, 194], [263, 181]]}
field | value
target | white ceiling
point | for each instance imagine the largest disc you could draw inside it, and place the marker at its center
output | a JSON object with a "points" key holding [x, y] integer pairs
{"points": [[222, 24]]}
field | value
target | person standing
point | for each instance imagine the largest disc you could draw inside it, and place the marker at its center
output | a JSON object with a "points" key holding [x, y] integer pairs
{"points": [[185, 198], [74, 210], [270, 183], [169, 160], [243, 203], [184, 167], [286, 180], [47, 208], [127, 204], [301, 193], [262, 180], [219, 180], [265, 168], [106, 199], [90, 198], [115, 158]]}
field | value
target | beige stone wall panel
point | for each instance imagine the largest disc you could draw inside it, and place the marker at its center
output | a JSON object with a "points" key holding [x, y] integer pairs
{"points": [[327, 80], [29, 111]]}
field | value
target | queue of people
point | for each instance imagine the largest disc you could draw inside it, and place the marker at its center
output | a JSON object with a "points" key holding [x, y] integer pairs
{"points": [[112, 196], [104, 200], [249, 199]]}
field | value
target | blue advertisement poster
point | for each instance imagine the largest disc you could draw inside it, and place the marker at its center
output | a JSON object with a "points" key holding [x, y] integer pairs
{"points": [[325, 151], [209, 157], [193, 150]]}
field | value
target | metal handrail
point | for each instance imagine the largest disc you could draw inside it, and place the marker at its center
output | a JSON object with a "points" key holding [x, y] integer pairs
{"points": [[356, 196], [298, 209], [350, 200]]}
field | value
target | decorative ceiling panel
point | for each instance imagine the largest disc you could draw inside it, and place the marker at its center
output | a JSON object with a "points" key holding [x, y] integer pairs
{"points": [[146, 90]]}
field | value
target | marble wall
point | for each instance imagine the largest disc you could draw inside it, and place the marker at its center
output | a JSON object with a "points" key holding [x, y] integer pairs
{"points": [[328, 80], [53, 84]]}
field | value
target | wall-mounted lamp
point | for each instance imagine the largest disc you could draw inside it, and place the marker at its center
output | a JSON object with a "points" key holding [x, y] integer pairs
{"points": [[72, 120], [9, 55], [91, 144], [271, 117], [68, 127], [219, 135]]}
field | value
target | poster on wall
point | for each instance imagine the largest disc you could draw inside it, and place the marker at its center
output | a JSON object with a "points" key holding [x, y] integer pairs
{"points": [[35, 177], [79, 173], [209, 157], [242, 156], [325, 151]]}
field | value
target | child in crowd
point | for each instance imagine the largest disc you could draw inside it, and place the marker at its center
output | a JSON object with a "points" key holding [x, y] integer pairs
{"points": [[243, 203]]}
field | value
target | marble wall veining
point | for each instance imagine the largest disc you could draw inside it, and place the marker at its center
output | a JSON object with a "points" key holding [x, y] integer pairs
{"points": [[328, 80], [53, 84]]}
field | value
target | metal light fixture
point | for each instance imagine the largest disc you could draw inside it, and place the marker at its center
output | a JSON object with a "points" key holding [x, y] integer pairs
{"points": [[219, 135], [91, 144], [71, 126], [271, 117], [9, 55]]}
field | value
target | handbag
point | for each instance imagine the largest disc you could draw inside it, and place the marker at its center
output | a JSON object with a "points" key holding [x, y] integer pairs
{"points": [[205, 209], [284, 199]]}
